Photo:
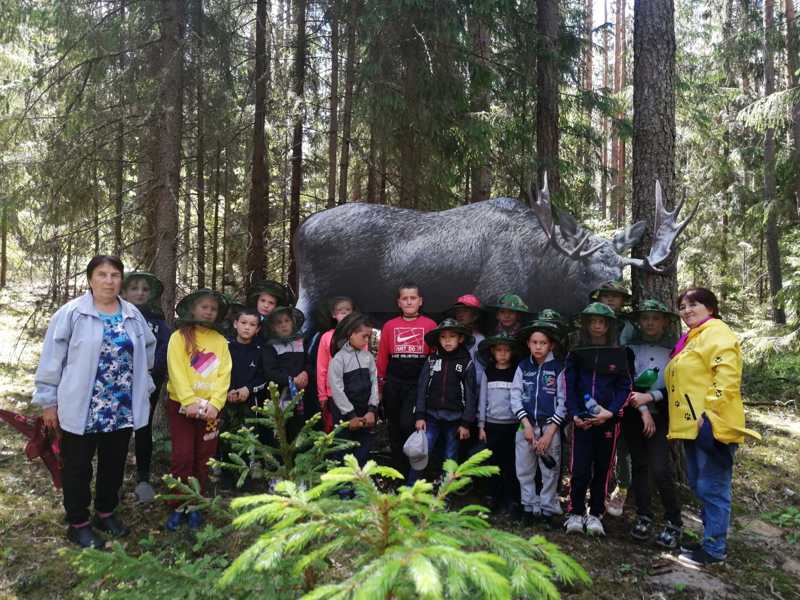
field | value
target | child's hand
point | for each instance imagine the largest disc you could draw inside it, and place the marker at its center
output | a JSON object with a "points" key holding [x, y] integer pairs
{"points": [[369, 420], [529, 433], [604, 416], [233, 396], [193, 410], [244, 394], [420, 425], [639, 398], [355, 423], [210, 413], [543, 443], [463, 433], [581, 424], [481, 434], [649, 427], [301, 380]]}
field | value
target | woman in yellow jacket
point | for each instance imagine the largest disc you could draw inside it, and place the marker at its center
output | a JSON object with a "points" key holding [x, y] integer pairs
{"points": [[706, 412], [199, 367]]}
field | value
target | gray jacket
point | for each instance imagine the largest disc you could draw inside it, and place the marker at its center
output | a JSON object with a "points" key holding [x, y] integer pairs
{"points": [[494, 402], [353, 382], [71, 353]]}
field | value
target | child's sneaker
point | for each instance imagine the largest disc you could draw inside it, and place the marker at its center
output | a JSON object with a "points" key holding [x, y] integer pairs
{"points": [[616, 503], [670, 537], [698, 558], [574, 524], [642, 529], [194, 520], [174, 520], [594, 526]]}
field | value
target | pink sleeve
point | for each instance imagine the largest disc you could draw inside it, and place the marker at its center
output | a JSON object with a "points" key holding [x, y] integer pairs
{"points": [[323, 360]]}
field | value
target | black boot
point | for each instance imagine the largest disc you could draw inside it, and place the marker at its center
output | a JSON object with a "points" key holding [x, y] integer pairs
{"points": [[110, 525], [85, 537]]}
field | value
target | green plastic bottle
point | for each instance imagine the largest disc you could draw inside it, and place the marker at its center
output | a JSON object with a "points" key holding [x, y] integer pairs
{"points": [[646, 379]]}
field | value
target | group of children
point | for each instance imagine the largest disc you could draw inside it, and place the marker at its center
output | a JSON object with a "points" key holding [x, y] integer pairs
{"points": [[515, 391]]}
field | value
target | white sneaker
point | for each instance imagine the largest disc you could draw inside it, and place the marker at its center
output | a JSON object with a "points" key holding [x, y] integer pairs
{"points": [[574, 524], [616, 503], [594, 526]]}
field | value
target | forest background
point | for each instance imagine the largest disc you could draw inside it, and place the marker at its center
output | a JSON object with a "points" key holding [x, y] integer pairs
{"points": [[192, 138]]}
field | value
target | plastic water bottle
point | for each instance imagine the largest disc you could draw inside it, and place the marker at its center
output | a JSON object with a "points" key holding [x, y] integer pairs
{"points": [[592, 407]]}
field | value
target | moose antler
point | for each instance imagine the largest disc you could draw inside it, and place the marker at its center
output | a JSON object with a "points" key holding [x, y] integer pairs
{"points": [[567, 226], [666, 230]]}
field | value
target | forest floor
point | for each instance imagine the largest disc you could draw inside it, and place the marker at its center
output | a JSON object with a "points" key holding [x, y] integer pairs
{"points": [[764, 559]]}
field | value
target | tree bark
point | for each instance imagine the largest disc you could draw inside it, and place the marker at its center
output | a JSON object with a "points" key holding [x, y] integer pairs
{"points": [[200, 148], [4, 243], [119, 150], [771, 234], [333, 104], [299, 78], [480, 86], [604, 154], [215, 231], [588, 86], [653, 134], [347, 110], [168, 161], [617, 143], [258, 213], [547, 81], [792, 66], [225, 214]]}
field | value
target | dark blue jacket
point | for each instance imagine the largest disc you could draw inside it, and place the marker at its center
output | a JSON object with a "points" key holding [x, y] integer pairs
{"points": [[610, 390], [539, 391], [247, 368], [161, 331]]}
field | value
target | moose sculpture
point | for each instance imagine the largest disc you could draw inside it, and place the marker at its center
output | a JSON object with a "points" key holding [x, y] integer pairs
{"points": [[487, 248]]}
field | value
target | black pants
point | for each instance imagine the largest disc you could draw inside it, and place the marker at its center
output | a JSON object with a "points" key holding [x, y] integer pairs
{"points": [[501, 439], [592, 453], [77, 452], [399, 399], [143, 441], [651, 457]]}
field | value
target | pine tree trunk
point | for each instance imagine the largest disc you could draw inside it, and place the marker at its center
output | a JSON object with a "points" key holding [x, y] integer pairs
{"points": [[653, 134], [547, 81], [119, 150], [604, 155], [258, 213], [588, 85], [617, 144], [215, 231], [771, 235], [185, 227], [347, 110], [480, 86], [372, 168], [200, 148], [299, 77], [792, 67], [225, 213], [96, 207], [168, 161], [333, 104], [4, 244]]}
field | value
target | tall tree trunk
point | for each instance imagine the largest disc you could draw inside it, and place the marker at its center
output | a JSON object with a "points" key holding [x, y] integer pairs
{"points": [[258, 213], [792, 66], [226, 212], [333, 104], [653, 134], [4, 244], [588, 85], [547, 82], [480, 86], [215, 231], [186, 228], [96, 207], [119, 164], [617, 143], [168, 162], [604, 155], [299, 77], [347, 111], [771, 234], [200, 148], [372, 168]]}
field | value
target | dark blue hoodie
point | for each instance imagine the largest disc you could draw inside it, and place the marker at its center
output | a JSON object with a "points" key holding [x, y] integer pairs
{"points": [[610, 390], [161, 331]]}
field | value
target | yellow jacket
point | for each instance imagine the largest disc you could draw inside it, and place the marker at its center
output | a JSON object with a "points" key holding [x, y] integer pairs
{"points": [[705, 378], [205, 375]]}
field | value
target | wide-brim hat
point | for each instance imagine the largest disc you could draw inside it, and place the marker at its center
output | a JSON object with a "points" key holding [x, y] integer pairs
{"points": [[449, 324], [296, 314], [550, 315], [185, 305], [598, 309], [511, 302], [652, 305], [282, 295], [466, 301], [156, 287], [547, 327], [503, 337], [615, 287], [416, 449]]}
